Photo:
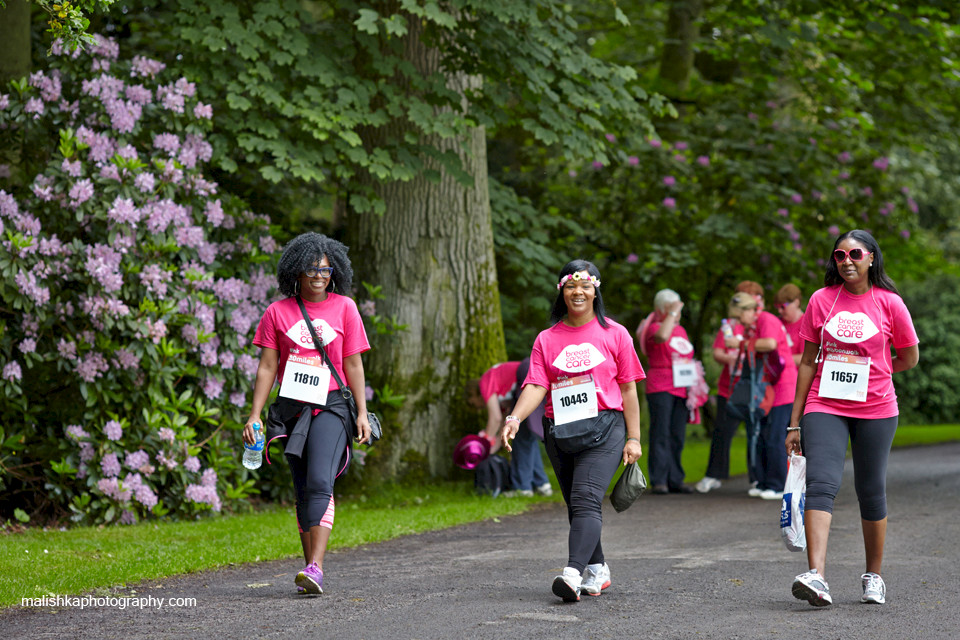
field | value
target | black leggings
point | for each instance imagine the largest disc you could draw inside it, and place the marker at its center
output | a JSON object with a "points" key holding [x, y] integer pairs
{"points": [[668, 430], [583, 478], [824, 443], [324, 458]]}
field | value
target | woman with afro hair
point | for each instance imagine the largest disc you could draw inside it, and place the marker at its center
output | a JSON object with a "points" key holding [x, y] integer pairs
{"points": [[313, 269]]}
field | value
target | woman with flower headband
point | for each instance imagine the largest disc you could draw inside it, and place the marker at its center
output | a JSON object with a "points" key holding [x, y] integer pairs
{"points": [[587, 368], [845, 392], [316, 271]]}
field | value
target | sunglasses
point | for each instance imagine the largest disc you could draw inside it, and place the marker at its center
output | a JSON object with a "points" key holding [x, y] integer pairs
{"points": [[784, 305], [325, 272], [855, 254]]}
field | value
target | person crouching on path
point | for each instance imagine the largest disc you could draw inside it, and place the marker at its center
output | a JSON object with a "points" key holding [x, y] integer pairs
{"points": [[845, 391], [495, 390], [590, 368], [313, 269], [671, 365]]}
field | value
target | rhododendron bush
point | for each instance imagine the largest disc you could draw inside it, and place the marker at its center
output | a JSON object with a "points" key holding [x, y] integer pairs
{"points": [[131, 288]]}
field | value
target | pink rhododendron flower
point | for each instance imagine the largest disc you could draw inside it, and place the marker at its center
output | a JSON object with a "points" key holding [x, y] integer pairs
{"points": [[669, 203]]}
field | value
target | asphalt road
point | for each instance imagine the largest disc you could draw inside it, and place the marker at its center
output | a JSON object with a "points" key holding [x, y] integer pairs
{"points": [[698, 566]]}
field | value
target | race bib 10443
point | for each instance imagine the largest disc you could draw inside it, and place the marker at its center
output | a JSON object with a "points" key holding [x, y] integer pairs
{"points": [[306, 379], [845, 377], [574, 399]]}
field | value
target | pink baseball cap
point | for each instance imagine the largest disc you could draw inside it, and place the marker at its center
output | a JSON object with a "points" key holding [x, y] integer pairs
{"points": [[471, 451]]}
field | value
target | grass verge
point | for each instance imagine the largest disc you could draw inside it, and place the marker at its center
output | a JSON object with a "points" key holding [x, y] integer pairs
{"points": [[37, 562]]}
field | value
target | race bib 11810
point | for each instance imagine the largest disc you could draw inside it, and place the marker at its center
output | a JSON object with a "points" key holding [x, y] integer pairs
{"points": [[306, 379]]}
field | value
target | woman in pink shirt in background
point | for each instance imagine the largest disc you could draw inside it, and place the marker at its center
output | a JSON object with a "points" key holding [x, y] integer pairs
{"points": [[670, 355], [845, 390]]}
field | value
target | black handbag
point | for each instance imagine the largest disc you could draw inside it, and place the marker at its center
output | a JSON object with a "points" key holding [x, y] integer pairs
{"points": [[629, 487], [580, 435], [376, 431]]}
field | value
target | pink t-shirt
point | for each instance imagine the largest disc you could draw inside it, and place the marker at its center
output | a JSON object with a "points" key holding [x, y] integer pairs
{"points": [[793, 336], [864, 325], [723, 383], [563, 351], [336, 321], [770, 326], [661, 357], [499, 380]]}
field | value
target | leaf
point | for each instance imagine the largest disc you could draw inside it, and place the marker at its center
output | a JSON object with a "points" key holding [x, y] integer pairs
{"points": [[367, 22]]}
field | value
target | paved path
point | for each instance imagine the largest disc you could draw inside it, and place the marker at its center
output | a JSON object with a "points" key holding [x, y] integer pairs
{"points": [[695, 566]]}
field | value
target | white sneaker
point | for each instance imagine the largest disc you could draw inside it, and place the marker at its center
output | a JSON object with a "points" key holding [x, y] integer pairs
{"points": [[770, 494], [874, 590], [811, 586], [596, 578], [707, 484], [567, 585], [754, 492], [518, 493], [544, 490]]}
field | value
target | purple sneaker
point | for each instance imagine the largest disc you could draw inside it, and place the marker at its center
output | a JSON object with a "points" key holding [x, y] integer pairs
{"points": [[310, 579]]}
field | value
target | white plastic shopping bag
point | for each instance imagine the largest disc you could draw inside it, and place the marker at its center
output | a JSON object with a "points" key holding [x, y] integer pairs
{"points": [[791, 509]]}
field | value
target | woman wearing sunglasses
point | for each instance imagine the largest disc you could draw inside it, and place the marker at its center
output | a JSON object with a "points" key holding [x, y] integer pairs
{"points": [[845, 391], [313, 269]]}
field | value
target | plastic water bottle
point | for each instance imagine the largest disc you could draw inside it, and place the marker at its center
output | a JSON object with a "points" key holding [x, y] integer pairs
{"points": [[726, 328], [253, 453]]}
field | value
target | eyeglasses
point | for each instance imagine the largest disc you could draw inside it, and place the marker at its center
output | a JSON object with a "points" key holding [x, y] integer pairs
{"points": [[325, 272], [784, 305], [855, 254]]}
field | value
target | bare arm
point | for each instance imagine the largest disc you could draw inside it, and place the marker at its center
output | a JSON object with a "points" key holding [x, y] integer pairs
{"points": [[356, 380], [266, 375], [670, 321], [494, 420], [765, 345], [631, 415], [805, 374], [906, 358], [530, 399], [724, 357]]}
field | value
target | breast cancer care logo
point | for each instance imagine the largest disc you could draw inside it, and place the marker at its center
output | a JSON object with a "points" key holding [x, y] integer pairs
{"points": [[300, 334], [851, 327], [681, 345], [579, 357]]}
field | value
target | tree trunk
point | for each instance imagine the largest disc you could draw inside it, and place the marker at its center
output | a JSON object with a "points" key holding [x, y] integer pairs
{"points": [[683, 30], [432, 252], [15, 36]]}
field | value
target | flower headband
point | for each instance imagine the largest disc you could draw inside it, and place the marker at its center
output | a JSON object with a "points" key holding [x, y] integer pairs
{"points": [[576, 277]]}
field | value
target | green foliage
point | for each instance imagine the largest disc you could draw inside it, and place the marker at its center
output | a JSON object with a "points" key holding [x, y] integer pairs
{"points": [[355, 108], [789, 134], [930, 392], [527, 262], [128, 296]]}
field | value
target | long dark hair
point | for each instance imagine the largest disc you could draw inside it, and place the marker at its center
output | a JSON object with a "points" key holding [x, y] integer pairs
{"points": [[306, 250], [560, 307], [877, 276]]}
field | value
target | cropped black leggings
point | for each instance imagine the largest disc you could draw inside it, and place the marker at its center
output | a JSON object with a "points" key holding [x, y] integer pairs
{"points": [[824, 443], [583, 478], [324, 458]]}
